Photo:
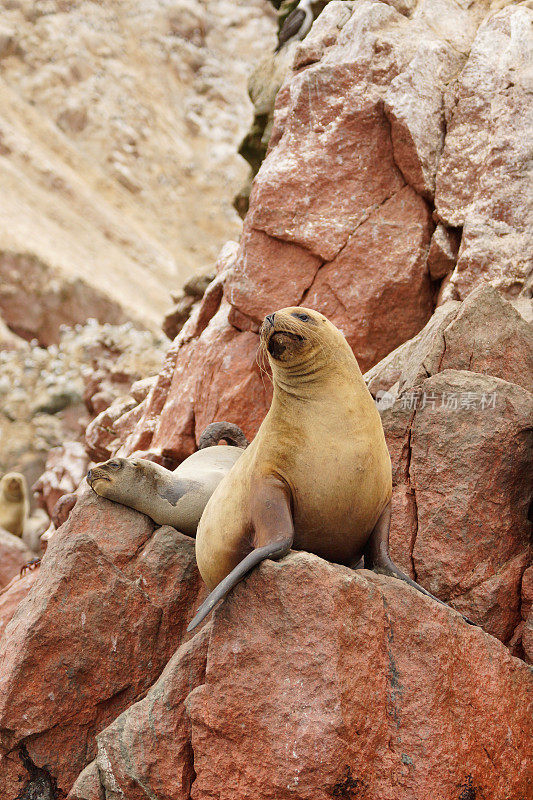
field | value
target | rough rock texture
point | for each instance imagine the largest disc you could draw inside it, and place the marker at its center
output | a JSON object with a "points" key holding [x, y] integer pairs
{"points": [[13, 555], [118, 154], [348, 685], [462, 453], [64, 471], [12, 594], [457, 411], [108, 608], [342, 210], [47, 395], [484, 177], [484, 334], [150, 743]]}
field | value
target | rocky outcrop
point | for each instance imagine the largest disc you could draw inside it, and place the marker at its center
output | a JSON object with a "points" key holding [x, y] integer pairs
{"points": [[457, 411], [47, 396], [108, 608], [483, 180], [342, 211], [315, 681]]}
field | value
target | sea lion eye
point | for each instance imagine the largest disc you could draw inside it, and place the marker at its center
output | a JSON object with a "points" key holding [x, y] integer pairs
{"points": [[303, 317], [114, 464]]}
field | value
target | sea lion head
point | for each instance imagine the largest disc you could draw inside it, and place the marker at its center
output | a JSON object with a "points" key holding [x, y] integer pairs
{"points": [[120, 479], [301, 341], [13, 487]]}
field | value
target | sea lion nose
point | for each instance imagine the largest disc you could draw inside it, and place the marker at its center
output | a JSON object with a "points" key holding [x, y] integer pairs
{"points": [[270, 318], [90, 475]]}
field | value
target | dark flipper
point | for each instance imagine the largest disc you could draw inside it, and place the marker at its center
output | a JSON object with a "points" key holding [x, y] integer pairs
{"points": [[273, 536], [217, 431], [272, 550], [377, 558]]}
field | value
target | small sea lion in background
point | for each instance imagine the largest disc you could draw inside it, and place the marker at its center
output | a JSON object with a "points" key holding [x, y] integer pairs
{"points": [[14, 505], [175, 498], [317, 476]]}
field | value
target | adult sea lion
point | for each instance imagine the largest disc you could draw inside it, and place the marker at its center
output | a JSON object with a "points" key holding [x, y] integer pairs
{"points": [[175, 498], [14, 505], [317, 476]]}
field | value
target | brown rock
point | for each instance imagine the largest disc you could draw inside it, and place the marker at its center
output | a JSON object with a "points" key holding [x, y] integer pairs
{"points": [[443, 249], [12, 594], [106, 612], [13, 555], [377, 291], [483, 334], [66, 467], [352, 685], [461, 450], [87, 786], [215, 377], [483, 182], [149, 745]]}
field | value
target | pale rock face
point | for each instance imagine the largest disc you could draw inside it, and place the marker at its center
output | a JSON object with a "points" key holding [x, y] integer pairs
{"points": [[118, 140], [484, 177]]}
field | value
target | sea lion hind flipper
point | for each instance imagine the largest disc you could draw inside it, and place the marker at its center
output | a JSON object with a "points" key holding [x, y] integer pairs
{"points": [[217, 431], [272, 550], [377, 558], [273, 536]]}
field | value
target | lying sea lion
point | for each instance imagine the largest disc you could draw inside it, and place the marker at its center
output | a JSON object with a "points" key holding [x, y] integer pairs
{"points": [[175, 498], [317, 476], [14, 505]]}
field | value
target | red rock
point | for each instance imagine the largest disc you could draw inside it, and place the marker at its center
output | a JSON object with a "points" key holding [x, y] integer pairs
{"points": [[483, 181], [377, 291], [350, 684], [107, 610], [13, 555], [65, 468], [217, 376], [462, 478], [100, 435], [12, 594], [269, 274], [484, 334], [149, 745]]}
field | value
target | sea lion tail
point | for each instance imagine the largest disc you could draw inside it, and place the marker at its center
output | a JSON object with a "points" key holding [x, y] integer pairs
{"points": [[217, 431], [271, 550], [388, 567]]}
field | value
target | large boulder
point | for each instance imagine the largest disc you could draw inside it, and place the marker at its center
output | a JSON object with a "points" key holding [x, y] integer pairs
{"points": [[457, 412], [323, 682], [108, 608]]}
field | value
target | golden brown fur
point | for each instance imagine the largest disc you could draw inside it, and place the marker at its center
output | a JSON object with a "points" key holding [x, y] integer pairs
{"points": [[322, 439], [14, 504]]}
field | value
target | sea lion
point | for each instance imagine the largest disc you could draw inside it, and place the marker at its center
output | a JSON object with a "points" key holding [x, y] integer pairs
{"points": [[317, 476], [14, 505], [175, 498]]}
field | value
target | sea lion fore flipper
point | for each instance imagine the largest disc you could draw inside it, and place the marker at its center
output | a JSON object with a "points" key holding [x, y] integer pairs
{"points": [[377, 557], [218, 431], [273, 536]]}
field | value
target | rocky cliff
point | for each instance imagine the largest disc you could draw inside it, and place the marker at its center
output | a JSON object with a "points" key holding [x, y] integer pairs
{"points": [[118, 137], [395, 197]]}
